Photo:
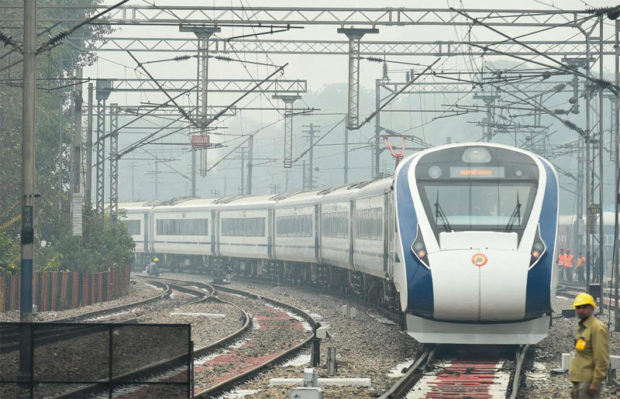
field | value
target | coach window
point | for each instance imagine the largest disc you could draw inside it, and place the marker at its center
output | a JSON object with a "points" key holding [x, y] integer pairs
{"points": [[133, 226], [369, 223], [294, 226], [335, 224], [243, 227], [183, 227]]}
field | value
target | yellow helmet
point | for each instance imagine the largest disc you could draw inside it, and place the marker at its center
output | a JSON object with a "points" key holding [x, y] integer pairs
{"points": [[155, 259], [584, 299]]}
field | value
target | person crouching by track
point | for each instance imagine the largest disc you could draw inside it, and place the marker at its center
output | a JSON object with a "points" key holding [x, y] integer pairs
{"points": [[589, 367], [153, 268]]}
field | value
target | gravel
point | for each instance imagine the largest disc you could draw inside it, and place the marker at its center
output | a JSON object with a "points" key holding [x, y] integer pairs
{"points": [[207, 324]]}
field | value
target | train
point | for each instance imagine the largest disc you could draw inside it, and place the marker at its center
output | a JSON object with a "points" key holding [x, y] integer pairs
{"points": [[460, 240]]}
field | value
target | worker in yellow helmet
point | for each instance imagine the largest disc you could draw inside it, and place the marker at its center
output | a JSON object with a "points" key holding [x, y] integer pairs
{"points": [[589, 367], [152, 269]]}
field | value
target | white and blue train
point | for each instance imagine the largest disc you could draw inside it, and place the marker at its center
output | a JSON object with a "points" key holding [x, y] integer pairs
{"points": [[461, 240]]}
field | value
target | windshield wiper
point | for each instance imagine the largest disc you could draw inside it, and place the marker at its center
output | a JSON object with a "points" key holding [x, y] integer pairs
{"points": [[439, 214], [516, 215]]}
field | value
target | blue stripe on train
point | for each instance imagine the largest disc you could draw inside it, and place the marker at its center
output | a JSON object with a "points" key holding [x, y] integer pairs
{"points": [[419, 280], [538, 294]]}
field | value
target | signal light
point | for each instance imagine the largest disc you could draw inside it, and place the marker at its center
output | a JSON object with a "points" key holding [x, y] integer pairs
{"points": [[421, 253], [535, 254]]}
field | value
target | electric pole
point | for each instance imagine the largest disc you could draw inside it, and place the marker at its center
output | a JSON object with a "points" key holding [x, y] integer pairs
{"points": [[89, 148], [77, 194], [242, 186], [309, 184], [28, 142], [346, 154], [28, 195], [250, 163]]}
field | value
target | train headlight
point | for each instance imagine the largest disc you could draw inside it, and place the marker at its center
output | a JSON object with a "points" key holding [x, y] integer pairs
{"points": [[434, 172], [419, 249], [538, 248]]}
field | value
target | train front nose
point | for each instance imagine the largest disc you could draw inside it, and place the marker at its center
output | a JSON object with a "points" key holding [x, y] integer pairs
{"points": [[479, 284]]}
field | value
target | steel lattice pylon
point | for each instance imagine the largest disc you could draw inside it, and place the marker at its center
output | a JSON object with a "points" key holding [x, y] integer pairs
{"points": [[288, 127], [354, 35], [202, 82], [113, 162], [103, 92], [99, 200]]}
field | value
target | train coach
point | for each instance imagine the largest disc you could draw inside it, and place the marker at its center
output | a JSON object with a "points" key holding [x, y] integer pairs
{"points": [[461, 240]]}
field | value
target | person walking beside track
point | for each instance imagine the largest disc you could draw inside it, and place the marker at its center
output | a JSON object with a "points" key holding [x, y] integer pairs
{"points": [[561, 261], [581, 262], [589, 367], [569, 262]]}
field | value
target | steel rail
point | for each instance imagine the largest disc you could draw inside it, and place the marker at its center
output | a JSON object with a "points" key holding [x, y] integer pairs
{"points": [[240, 378], [404, 383], [55, 337], [516, 382], [147, 371]]}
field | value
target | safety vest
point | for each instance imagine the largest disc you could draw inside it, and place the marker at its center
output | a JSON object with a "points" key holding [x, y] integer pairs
{"points": [[581, 261], [562, 260], [570, 261]]}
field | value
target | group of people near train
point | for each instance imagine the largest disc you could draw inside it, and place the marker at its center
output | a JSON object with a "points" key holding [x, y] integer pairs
{"points": [[568, 265]]}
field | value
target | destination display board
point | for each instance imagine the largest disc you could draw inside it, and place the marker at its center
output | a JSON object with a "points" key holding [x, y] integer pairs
{"points": [[486, 172]]}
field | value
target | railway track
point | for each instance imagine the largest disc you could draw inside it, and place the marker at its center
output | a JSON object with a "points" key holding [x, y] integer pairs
{"points": [[248, 361], [462, 372], [571, 289], [63, 335], [11, 333], [221, 365]]}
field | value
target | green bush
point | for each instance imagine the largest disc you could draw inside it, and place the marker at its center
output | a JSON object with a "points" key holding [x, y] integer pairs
{"points": [[9, 255], [96, 250]]}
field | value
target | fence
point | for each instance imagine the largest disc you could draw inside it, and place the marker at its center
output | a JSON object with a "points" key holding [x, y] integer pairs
{"points": [[66, 290], [108, 360]]}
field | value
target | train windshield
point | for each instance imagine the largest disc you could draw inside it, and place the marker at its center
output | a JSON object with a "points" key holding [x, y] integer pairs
{"points": [[501, 206], [477, 188]]}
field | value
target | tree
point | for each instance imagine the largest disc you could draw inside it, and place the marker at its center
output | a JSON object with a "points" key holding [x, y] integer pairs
{"points": [[95, 251], [56, 247], [9, 255]]}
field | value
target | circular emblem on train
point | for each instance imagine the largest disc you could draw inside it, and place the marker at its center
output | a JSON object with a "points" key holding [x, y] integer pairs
{"points": [[479, 259]]}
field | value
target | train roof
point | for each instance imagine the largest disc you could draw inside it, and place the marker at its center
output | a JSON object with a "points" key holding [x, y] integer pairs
{"points": [[377, 185], [244, 201], [133, 205], [296, 198], [190, 203]]}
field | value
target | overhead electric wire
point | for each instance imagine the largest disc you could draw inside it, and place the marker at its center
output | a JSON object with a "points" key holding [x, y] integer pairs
{"points": [[563, 67]]}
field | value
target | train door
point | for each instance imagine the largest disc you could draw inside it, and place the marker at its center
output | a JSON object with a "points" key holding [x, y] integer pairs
{"points": [[271, 234], [386, 230], [213, 230], [145, 233], [217, 233], [351, 232], [317, 230]]}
